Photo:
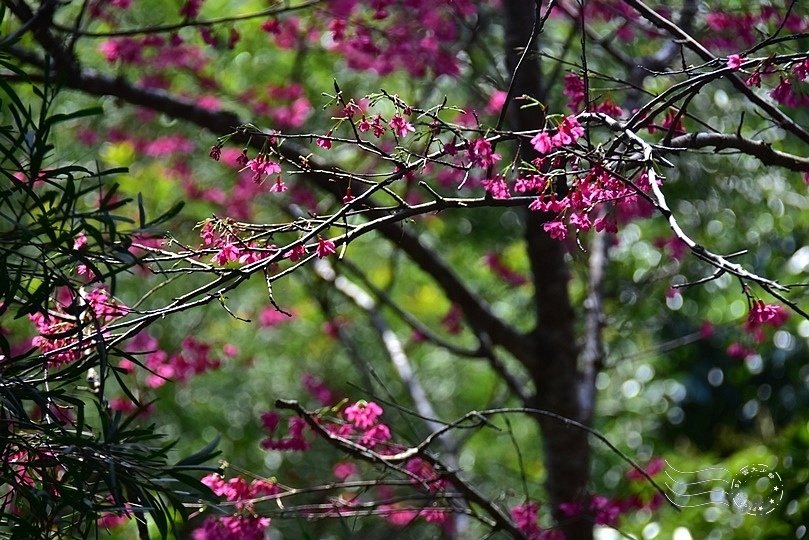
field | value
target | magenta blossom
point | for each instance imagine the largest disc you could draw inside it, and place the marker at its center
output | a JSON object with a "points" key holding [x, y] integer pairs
{"points": [[324, 247], [363, 414], [400, 126]]}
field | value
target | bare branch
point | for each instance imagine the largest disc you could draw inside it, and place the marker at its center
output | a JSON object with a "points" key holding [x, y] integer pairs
{"points": [[761, 150]]}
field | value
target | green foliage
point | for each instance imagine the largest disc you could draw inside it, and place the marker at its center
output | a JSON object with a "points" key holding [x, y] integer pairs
{"points": [[65, 458]]}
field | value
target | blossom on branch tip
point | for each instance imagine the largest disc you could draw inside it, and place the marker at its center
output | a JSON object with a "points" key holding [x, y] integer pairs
{"points": [[568, 131], [555, 229], [278, 186], [481, 153], [363, 414], [400, 126], [325, 141], [262, 165], [324, 247], [770, 314], [79, 242], [228, 252], [734, 62], [542, 142], [297, 253], [497, 187], [377, 434]]}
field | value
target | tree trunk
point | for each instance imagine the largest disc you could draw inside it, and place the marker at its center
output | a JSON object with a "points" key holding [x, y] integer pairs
{"points": [[554, 366]]}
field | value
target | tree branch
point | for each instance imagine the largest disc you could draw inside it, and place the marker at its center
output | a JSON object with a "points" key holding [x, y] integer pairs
{"points": [[781, 119], [761, 150]]}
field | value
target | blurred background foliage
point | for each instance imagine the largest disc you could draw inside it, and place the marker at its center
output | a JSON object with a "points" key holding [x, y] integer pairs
{"points": [[669, 387]]}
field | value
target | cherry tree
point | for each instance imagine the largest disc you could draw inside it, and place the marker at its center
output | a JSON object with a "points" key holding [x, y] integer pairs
{"points": [[502, 156]]}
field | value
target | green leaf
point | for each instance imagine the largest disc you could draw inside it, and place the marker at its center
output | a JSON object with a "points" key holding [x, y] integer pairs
{"points": [[201, 456], [65, 117]]}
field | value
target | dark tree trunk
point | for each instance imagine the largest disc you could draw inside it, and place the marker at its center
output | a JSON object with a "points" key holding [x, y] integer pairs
{"points": [[555, 353]]}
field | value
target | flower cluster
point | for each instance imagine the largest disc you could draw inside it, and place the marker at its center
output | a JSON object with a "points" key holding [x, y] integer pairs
{"points": [[481, 153], [66, 332], [762, 315], [605, 511], [194, 358], [526, 517], [294, 440], [414, 35], [244, 524], [735, 30], [587, 192], [567, 132]]}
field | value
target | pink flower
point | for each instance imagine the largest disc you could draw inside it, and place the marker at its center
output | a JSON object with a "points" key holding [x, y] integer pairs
{"points": [[228, 252], [525, 517], [363, 414], [542, 142], [496, 101], [324, 247], [237, 526], [497, 187], [297, 253], [270, 421], [580, 221], [496, 264], [574, 90], [379, 433], [606, 511], [737, 350], [191, 8], [79, 242], [783, 93], [653, 468], [294, 440], [568, 131], [208, 234], [481, 153], [452, 320], [86, 271], [351, 107], [398, 516], [278, 186], [734, 62], [426, 474], [318, 389], [343, 469], [555, 229], [261, 165], [377, 126], [270, 317], [706, 330], [570, 509], [111, 520], [435, 515], [400, 126], [324, 142], [771, 314]]}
